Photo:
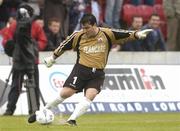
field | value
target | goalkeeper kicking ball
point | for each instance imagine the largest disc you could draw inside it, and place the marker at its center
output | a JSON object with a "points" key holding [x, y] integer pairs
{"points": [[44, 116]]}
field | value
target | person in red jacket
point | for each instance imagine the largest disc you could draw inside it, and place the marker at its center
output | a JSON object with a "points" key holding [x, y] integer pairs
{"points": [[38, 35]]}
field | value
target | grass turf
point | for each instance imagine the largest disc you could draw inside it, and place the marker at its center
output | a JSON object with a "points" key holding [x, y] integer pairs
{"points": [[100, 122]]}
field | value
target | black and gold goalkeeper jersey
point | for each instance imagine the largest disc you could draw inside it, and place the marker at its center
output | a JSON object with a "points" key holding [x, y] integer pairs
{"points": [[93, 52]]}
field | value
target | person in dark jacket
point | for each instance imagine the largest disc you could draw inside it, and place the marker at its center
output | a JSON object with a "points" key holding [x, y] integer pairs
{"points": [[53, 34], [137, 23], [155, 40], [58, 9]]}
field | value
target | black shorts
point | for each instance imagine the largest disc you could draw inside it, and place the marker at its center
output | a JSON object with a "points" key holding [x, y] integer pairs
{"points": [[82, 78]]}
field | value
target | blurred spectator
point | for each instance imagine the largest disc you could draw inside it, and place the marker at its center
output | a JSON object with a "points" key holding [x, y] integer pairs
{"points": [[102, 5], [10, 21], [155, 40], [146, 2], [1, 1], [36, 31], [112, 13], [6, 8], [41, 7], [172, 12], [149, 2], [4, 14], [95, 10], [137, 23], [40, 22], [136, 2], [58, 9], [76, 11], [1, 44], [53, 35], [112, 17]]}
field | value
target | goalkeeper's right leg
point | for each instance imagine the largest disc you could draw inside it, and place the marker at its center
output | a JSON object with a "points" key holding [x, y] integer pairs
{"points": [[65, 93], [54, 103], [50, 105]]}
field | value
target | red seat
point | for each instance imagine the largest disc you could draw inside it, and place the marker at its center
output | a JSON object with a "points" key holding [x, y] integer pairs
{"points": [[128, 12], [158, 8], [145, 11], [159, 2]]}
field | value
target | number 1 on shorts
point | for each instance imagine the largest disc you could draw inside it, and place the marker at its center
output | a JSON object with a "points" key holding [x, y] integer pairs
{"points": [[75, 79]]}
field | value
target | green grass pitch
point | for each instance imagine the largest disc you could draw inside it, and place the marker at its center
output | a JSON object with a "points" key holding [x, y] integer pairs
{"points": [[100, 122]]}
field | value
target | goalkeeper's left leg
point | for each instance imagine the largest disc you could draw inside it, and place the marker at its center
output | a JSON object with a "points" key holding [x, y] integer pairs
{"points": [[82, 106]]}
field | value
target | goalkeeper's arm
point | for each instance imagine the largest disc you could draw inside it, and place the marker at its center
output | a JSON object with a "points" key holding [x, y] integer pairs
{"points": [[65, 45]]}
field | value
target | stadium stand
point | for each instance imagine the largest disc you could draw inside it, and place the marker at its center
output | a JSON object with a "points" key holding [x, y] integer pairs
{"points": [[145, 11], [158, 8], [128, 12], [158, 2]]}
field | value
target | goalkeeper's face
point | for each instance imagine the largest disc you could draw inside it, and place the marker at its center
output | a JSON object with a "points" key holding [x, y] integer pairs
{"points": [[90, 30]]}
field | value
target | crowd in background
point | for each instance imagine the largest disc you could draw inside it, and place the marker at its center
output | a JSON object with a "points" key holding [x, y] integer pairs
{"points": [[59, 18]]}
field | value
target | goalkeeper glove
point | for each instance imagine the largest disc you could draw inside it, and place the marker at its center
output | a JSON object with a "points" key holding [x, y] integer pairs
{"points": [[143, 33], [49, 61]]}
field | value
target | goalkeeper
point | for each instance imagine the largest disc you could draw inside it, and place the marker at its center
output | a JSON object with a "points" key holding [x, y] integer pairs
{"points": [[92, 44]]}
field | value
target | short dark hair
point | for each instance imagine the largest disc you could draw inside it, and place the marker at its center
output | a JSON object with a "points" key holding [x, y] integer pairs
{"points": [[88, 18], [136, 16], [155, 14], [53, 19]]}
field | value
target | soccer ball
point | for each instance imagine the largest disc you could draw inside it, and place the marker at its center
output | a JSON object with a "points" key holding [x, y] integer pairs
{"points": [[44, 116]]}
